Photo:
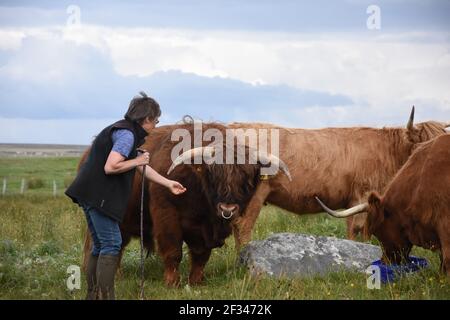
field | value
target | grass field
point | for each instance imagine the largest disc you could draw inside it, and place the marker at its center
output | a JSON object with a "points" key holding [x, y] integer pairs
{"points": [[41, 235], [42, 170]]}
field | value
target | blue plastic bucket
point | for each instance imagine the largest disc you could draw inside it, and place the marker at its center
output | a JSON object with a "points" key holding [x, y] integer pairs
{"points": [[392, 272]]}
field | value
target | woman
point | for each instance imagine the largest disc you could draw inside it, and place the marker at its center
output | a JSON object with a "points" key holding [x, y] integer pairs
{"points": [[103, 186]]}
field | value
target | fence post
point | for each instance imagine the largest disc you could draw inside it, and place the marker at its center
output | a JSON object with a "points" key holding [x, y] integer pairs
{"points": [[4, 187], [54, 188], [22, 186]]}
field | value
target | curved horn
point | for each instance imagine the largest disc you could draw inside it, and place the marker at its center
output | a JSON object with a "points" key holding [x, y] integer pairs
{"points": [[208, 152], [344, 213], [410, 124], [191, 153], [270, 158]]}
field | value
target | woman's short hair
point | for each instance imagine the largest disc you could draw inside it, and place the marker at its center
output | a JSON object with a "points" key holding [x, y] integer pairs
{"points": [[142, 107]]}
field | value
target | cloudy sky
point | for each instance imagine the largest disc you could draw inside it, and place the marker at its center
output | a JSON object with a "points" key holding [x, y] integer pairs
{"points": [[69, 68]]}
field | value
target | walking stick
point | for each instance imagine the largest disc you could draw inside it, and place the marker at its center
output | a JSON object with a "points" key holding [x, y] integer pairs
{"points": [[141, 293]]}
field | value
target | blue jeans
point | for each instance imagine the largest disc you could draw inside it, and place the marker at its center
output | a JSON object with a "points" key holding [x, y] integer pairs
{"points": [[105, 232]]}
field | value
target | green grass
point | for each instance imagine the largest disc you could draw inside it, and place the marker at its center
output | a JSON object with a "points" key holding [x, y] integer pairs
{"points": [[40, 236], [44, 170]]}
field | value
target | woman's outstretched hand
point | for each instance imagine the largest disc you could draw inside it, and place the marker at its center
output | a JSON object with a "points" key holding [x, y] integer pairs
{"points": [[176, 187]]}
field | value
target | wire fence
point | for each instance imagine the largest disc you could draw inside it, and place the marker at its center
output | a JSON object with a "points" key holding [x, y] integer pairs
{"points": [[27, 186]]}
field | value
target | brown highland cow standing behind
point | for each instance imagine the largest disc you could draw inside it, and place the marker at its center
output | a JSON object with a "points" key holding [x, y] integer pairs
{"points": [[340, 165]]}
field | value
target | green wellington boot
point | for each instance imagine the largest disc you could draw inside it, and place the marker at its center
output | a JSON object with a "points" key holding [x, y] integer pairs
{"points": [[91, 278], [106, 272]]}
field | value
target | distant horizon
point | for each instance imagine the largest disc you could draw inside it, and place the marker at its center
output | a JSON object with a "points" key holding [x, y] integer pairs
{"points": [[43, 144]]}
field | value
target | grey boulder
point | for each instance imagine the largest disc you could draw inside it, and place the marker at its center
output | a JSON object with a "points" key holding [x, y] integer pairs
{"points": [[297, 255]]}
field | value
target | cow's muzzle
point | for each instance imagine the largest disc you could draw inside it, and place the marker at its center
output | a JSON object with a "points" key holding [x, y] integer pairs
{"points": [[227, 211]]}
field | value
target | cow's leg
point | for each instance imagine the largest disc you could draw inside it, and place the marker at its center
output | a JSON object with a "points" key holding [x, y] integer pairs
{"points": [[445, 262], [355, 224], [396, 253], [350, 233], [441, 259], [444, 238], [199, 258], [169, 237], [126, 238], [243, 226], [86, 249], [149, 245], [171, 254]]}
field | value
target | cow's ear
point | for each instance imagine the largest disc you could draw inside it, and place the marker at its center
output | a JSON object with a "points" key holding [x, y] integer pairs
{"points": [[375, 214], [374, 200], [414, 134]]}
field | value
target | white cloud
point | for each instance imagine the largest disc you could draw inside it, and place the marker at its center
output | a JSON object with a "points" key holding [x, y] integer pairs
{"points": [[383, 73], [11, 39], [366, 67]]}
